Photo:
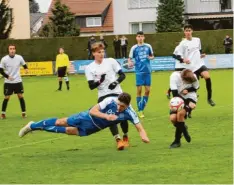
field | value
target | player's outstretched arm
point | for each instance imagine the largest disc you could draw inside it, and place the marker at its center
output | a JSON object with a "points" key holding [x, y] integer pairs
{"points": [[95, 111], [142, 133]]}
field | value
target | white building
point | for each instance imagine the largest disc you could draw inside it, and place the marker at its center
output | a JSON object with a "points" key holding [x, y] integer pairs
{"points": [[131, 16], [209, 14]]}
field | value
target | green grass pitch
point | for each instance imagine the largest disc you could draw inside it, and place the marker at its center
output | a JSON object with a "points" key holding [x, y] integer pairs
{"points": [[43, 157]]}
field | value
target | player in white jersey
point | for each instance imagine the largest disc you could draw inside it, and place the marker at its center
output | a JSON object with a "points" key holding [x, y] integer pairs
{"points": [[10, 70], [102, 74], [190, 52], [184, 85]]}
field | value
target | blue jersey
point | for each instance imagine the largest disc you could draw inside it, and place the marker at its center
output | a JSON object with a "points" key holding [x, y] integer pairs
{"points": [[88, 124], [141, 53]]}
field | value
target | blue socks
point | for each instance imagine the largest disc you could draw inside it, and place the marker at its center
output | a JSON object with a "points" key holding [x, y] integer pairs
{"points": [[144, 101], [141, 102], [43, 123], [55, 129]]}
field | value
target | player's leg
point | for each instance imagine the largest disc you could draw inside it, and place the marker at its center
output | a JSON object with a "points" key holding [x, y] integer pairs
{"points": [[176, 143], [124, 127], [139, 98], [60, 76], [205, 74], [7, 91], [66, 79], [147, 84], [181, 124], [19, 90]]}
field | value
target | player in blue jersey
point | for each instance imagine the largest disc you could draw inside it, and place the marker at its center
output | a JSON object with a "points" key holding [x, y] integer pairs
{"points": [[142, 53], [110, 111]]}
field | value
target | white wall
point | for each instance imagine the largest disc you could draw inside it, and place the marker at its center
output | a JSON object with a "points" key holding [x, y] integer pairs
{"points": [[124, 16], [202, 6]]}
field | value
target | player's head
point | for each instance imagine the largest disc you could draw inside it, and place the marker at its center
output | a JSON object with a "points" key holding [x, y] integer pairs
{"points": [[188, 31], [61, 50], [123, 102], [227, 36], [140, 37], [11, 50], [98, 50], [188, 76]]}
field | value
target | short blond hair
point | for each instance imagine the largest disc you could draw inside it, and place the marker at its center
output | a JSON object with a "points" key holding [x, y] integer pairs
{"points": [[97, 46]]}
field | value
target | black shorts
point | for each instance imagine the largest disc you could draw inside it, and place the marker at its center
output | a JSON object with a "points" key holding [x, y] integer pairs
{"points": [[62, 71], [16, 88], [200, 70], [186, 102], [106, 96]]}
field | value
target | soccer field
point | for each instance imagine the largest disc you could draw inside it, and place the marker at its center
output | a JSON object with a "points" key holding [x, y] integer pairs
{"points": [[42, 157]]}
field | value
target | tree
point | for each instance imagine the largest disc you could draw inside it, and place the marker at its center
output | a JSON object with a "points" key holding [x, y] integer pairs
{"points": [[170, 15], [34, 6], [62, 22], [6, 20]]}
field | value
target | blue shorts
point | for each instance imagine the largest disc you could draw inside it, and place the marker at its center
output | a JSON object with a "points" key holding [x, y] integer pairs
{"points": [[83, 123], [143, 79]]}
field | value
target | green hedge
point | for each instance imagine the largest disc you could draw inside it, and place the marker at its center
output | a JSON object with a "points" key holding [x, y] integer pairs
{"points": [[44, 49]]}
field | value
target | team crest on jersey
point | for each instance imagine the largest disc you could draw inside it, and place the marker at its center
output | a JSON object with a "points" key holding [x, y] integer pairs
{"points": [[110, 111]]}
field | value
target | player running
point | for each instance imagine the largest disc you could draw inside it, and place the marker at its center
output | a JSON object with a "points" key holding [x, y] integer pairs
{"points": [[109, 112], [142, 53], [190, 52], [62, 63], [102, 74], [184, 85], [10, 70]]}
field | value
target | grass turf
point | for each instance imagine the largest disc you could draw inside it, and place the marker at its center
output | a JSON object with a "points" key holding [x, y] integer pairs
{"points": [[43, 157]]}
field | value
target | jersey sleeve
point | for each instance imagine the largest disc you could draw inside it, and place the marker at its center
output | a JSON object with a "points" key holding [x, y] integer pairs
{"points": [[103, 104], [2, 64], [133, 116], [151, 52], [67, 60], [199, 44], [131, 52], [173, 82], [88, 74], [180, 49], [22, 62], [116, 66]]}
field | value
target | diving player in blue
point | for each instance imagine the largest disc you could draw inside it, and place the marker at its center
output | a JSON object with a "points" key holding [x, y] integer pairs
{"points": [[110, 111], [142, 53]]}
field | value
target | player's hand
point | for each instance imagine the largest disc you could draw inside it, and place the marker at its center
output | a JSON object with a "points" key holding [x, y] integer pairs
{"points": [[144, 137], [150, 57], [130, 64], [113, 85], [111, 117], [203, 55], [103, 76], [26, 71], [187, 61], [185, 91], [10, 78]]}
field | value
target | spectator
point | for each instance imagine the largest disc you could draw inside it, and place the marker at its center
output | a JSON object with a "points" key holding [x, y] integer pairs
{"points": [[117, 45], [105, 44], [91, 41], [124, 46], [227, 42]]}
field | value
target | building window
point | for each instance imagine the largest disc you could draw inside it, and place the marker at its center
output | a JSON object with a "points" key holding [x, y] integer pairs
{"points": [[146, 27], [133, 4], [226, 4], [93, 21]]}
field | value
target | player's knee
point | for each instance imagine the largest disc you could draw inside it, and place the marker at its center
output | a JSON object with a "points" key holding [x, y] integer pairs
{"points": [[147, 92], [180, 115], [59, 78], [61, 122], [192, 105], [72, 131], [205, 75], [173, 118], [7, 97], [20, 96]]}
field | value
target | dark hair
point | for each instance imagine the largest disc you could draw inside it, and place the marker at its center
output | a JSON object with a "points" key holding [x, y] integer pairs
{"points": [[97, 46], [188, 76], [140, 33], [188, 26], [125, 98], [10, 45]]}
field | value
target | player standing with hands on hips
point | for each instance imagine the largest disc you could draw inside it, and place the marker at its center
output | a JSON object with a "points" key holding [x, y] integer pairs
{"points": [[102, 74], [190, 52], [10, 70], [142, 53]]}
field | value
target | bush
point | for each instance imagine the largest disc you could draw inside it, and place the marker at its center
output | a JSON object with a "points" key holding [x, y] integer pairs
{"points": [[45, 49]]}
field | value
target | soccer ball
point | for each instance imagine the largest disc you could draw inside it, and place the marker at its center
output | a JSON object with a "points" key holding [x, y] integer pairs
{"points": [[176, 104]]}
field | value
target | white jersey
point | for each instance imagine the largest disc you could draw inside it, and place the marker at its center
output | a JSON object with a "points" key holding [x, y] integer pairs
{"points": [[11, 66], [176, 83], [177, 63], [110, 67], [190, 49]]}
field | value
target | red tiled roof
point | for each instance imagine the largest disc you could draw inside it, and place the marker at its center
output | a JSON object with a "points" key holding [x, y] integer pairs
{"points": [[88, 7]]}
